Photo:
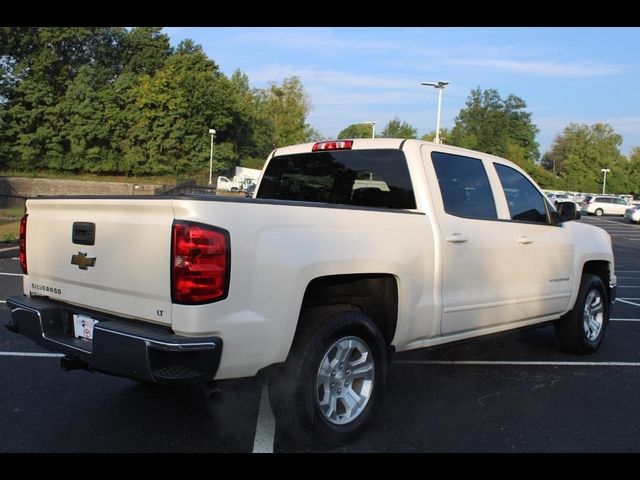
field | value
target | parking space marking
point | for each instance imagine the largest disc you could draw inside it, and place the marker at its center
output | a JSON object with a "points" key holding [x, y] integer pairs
{"points": [[625, 319], [30, 354], [3, 301], [12, 274], [265, 427], [630, 303], [517, 363]]}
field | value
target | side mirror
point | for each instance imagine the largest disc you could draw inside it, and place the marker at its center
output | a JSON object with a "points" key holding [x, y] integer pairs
{"points": [[568, 211]]}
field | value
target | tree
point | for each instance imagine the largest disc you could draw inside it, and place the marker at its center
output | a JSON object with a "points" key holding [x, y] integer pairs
{"points": [[178, 104], [581, 151], [396, 128], [356, 130], [145, 50], [286, 107], [634, 167], [117, 100], [494, 125], [445, 133]]}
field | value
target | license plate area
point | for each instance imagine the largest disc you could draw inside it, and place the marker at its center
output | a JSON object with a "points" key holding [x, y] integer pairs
{"points": [[83, 327]]}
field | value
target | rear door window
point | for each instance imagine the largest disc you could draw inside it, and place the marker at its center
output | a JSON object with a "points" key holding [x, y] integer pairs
{"points": [[464, 186]]}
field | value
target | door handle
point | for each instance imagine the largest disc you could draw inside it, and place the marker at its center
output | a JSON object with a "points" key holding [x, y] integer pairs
{"points": [[456, 238], [525, 240]]}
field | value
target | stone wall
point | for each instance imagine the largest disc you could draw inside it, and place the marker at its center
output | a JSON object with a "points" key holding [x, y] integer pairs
{"points": [[31, 187]]}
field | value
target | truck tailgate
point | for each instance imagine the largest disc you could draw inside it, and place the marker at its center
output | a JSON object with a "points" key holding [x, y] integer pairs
{"points": [[127, 269]]}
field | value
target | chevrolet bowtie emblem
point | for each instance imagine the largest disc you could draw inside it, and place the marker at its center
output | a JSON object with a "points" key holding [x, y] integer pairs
{"points": [[82, 261]]}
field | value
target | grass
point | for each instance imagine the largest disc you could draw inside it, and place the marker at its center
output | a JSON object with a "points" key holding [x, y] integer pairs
{"points": [[11, 212], [164, 180], [10, 223], [9, 230]]}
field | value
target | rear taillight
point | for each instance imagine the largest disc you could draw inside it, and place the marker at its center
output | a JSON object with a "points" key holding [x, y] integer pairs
{"points": [[333, 145], [201, 261], [23, 244]]}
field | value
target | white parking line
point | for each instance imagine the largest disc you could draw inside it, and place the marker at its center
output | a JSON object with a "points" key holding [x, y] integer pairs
{"points": [[630, 303], [30, 354], [625, 319], [266, 426], [3, 301], [12, 274], [517, 363]]}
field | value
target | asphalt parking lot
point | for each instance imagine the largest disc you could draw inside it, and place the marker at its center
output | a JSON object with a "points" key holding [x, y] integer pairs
{"points": [[514, 392]]}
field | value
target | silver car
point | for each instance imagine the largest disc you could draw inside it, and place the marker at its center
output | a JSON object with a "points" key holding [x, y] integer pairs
{"points": [[633, 214]]}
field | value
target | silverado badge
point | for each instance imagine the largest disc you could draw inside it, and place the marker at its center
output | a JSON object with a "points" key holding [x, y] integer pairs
{"points": [[82, 261]]}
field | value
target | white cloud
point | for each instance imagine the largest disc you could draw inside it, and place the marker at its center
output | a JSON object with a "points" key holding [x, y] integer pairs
{"points": [[546, 69], [317, 40], [335, 79]]}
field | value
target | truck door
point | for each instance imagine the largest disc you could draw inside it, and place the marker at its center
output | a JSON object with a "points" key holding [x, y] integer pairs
{"points": [[544, 252], [477, 248]]}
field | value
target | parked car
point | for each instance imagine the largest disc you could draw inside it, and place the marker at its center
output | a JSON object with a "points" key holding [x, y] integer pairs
{"points": [[604, 205], [633, 214]]}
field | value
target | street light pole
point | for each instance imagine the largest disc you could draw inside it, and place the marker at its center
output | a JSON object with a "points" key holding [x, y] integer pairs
{"points": [[373, 128], [440, 87], [212, 132], [604, 183]]}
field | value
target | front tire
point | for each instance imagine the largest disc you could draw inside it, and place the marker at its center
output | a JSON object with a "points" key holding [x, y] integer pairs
{"points": [[582, 329], [326, 390]]}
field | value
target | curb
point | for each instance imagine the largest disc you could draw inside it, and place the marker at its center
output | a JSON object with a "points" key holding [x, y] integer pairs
{"points": [[7, 252]]}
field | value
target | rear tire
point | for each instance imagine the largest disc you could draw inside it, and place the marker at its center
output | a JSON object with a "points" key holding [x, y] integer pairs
{"points": [[599, 212], [335, 372], [582, 329]]}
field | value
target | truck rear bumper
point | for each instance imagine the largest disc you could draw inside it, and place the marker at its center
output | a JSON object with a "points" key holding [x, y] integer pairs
{"points": [[119, 347]]}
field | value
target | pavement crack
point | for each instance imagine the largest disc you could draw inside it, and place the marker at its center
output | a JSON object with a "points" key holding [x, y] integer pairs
{"points": [[481, 399], [543, 385]]}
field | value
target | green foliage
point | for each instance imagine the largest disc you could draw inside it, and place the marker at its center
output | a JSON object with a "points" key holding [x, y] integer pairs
{"points": [[581, 151], [114, 100], [494, 125], [398, 129], [445, 133], [284, 111], [9, 237], [356, 130]]}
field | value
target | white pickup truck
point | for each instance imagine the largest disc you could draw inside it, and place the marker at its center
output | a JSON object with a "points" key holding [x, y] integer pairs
{"points": [[351, 250]]}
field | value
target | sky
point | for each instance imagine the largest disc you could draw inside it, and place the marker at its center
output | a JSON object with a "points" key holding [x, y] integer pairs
{"points": [[362, 74]]}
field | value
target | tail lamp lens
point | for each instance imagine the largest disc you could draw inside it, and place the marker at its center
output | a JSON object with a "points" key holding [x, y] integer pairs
{"points": [[23, 244], [201, 260]]}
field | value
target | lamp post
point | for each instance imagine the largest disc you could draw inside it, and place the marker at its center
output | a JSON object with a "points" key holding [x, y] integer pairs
{"points": [[604, 182], [373, 128], [212, 132], [440, 87]]}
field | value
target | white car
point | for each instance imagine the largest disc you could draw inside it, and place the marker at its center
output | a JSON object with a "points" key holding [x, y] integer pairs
{"points": [[633, 214], [604, 205]]}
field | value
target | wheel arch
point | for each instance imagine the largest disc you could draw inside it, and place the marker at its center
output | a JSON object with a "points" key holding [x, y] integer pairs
{"points": [[601, 269], [375, 294]]}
